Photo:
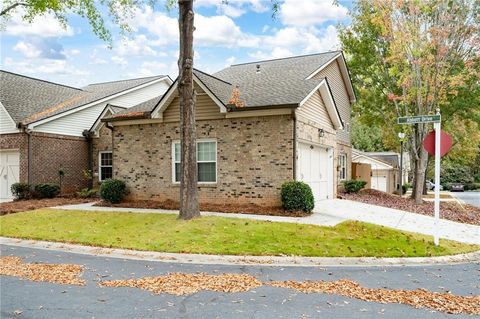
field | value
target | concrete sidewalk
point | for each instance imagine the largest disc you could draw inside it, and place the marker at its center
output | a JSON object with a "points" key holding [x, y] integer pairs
{"points": [[332, 212]]}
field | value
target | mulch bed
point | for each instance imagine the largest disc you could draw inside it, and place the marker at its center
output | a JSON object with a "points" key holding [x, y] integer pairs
{"points": [[448, 210], [31, 204], [226, 208]]}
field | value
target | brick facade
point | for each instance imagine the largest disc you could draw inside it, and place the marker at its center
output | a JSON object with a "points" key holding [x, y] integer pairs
{"points": [[49, 153], [254, 157]]}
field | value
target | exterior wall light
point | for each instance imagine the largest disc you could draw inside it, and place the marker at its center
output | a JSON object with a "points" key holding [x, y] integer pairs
{"points": [[321, 132]]}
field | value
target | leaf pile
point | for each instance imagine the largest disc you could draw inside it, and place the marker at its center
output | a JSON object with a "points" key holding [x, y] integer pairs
{"points": [[449, 210], [418, 298], [186, 284], [65, 274]]}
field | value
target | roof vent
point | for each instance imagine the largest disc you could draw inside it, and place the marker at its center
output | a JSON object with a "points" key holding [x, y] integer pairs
{"points": [[258, 68]]}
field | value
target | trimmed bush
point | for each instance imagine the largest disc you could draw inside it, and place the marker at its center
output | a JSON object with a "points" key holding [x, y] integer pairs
{"points": [[20, 190], [87, 193], [353, 186], [297, 196], [47, 190], [112, 190]]}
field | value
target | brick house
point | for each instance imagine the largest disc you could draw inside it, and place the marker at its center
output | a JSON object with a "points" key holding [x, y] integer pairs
{"points": [[258, 125], [44, 126]]}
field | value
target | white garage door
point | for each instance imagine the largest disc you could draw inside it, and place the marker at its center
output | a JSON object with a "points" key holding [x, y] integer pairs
{"points": [[9, 173], [315, 167], [379, 182]]}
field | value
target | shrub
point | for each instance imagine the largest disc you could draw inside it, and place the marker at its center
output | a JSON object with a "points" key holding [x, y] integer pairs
{"points": [[47, 190], [353, 186], [87, 193], [471, 186], [297, 196], [20, 190], [112, 190]]}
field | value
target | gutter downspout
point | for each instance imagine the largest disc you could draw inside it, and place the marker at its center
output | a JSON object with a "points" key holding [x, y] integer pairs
{"points": [[294, 145], [29, 132], [88, 136]]}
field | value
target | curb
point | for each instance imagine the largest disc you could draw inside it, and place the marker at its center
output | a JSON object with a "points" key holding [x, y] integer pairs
{"points": [[296, 261]]}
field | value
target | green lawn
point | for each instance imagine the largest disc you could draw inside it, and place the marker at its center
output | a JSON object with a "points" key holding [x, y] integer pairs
{"points": [[217, 235]]}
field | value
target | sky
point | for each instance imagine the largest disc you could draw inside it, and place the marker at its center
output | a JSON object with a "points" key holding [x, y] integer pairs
{"points": [[237, 32]]}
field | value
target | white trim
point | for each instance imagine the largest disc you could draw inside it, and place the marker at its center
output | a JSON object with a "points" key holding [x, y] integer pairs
{"points": [[15, 130], [85, 106], [167, 99], [322, 67], [255, 113], [327, 97], [357, 156], [343, 70], [100, 179], [202, 140], [98, 123]]}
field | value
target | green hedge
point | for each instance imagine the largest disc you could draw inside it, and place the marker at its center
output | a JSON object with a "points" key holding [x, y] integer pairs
{"points": [[47, 190], [112, 190], [353, 186], [297, 196], [20, 190]]}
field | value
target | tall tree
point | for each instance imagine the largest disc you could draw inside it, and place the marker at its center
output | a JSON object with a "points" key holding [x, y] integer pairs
{"points": [[186, 92], [411, 58]]}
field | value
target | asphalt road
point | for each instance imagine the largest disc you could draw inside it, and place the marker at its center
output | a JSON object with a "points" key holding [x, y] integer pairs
{"points": [[28, 299], [472, 198]]}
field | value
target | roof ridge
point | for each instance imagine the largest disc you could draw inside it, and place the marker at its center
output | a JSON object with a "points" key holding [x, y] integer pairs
{"points": [[286, 58], [212, 76], [141, 78], [41, 80]]}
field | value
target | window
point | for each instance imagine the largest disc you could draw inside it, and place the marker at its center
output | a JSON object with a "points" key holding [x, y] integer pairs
{"points": [[206, 161], [342, 163], [105, 169]]}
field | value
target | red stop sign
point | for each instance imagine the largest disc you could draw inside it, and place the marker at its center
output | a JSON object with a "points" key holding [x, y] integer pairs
{"points": [[445, 143]]}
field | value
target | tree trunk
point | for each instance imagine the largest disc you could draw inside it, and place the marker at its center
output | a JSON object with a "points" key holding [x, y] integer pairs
{"points": [[420, 163], [188, 180]]}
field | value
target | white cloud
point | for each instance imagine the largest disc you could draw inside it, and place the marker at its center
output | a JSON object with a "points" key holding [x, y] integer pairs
{"points": [[139, 46], [274, 54], [231, 60], [308, 12], [150, 68], [119, 61], [42, 26], [45, 66], [27, 49]]}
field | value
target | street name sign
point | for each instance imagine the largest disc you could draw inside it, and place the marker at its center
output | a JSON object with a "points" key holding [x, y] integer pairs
{"points": [[419, 119]]}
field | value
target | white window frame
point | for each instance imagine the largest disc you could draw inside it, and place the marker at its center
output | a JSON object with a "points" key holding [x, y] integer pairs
{"points": [[342, 159], [100, 164], [203, 140]]}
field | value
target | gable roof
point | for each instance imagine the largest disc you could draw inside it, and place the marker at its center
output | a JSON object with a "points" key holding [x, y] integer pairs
{"points": [[278, 82], [356, 154], [28, 100], [141, 110]]}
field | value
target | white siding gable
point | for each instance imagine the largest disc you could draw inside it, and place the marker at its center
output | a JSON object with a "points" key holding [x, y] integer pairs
{"points": [[7, 125], [75, 123]]}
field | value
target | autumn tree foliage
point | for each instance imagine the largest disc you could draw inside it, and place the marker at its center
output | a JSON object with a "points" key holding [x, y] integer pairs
{"points": [[412, 58]]}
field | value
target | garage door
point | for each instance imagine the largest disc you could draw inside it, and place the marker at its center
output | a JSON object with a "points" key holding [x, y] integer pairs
{"points": [[9, 173], [379, 182], [315, 167]]}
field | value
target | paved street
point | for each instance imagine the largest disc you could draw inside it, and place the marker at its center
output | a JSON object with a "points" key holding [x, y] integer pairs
{"points": [[28, 299], [472, 198]]}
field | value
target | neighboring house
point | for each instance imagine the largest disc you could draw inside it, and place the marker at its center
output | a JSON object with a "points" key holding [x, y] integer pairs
{"points": [[258, 125], [384, 169], [44, 126]]}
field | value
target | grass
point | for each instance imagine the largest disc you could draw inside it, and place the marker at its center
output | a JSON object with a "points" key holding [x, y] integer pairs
{"points": [[218, 235]]}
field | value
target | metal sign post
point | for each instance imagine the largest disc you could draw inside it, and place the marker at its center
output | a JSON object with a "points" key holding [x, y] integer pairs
{"points": [[436, 120], [437, 127]]}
